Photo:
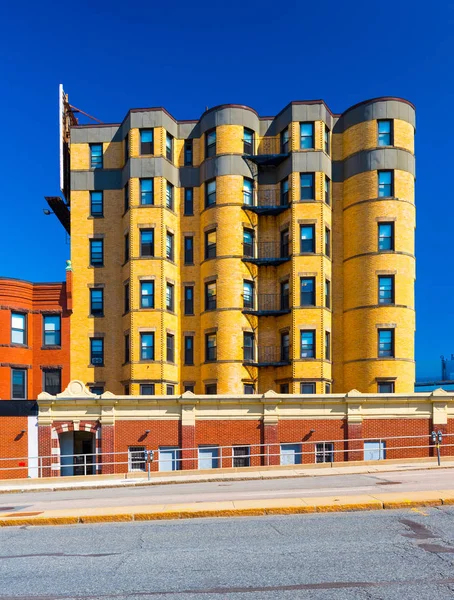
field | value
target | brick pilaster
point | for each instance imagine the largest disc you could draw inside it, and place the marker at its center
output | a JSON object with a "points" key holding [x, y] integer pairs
{"points": [[45, 450], [107, 447], [355, 444]]}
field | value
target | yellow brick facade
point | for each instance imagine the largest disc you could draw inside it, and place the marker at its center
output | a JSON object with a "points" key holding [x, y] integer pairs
{"points": [[350, 218]]}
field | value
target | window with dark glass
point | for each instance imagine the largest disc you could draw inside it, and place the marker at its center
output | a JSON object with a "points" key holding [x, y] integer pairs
{"points": [[248, 139], [146, 242], [97, 302], [249, 388], [127, 147], [169, 146], [327, 293], [147, 294], [386, 387], [327, 388], [285, 295], [327, 140], [170, 389], [188, 250], [285, 243], [170, 299], [324, 452], [169, 195], [210, 193], [307, 235], [284, 192], [248, 346], [307, 291], [210, 347], [96, 253], [189, 387], [147, 389], [307, 186], [127, 348], [385, 132], [188, 145], [285, 141], [385, 343], [126, 298], [170, 348], [248, 191], [386, 289], [52, 381], [18, 384], [146, 141], [248, 242], [327, 241], [188, 350], [188, 299], [307, 387], [96, 156], [385, 236], [126, 389], [241, 456], [18, 329], [385, 184], [327, 345], [126, 248], [307, 344], [248, 294], [147, 346], [210, 295], [211, 389], [327, 190], [96, 204], [146, 192], [210, 143], [307, 135], [97, 389], [52, 330], [210, 244], [169, 246], [96, 351], [188, 201], [285, 346], [284, 388]]}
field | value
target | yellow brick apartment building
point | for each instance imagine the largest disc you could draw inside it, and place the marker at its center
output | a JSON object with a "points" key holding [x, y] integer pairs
{"points": [[237, 253]]}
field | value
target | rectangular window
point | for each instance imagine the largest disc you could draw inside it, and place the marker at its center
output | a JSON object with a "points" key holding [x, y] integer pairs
{"points": [[307, 291], [327, 241], [210, 295], [385, 343], [284, 192], [284, 388], [96, 253], [307, 344], [248, 294], [170, 348], [188, 300], [97, 302], [248, 139], [18, 384], [188, 201], [97, 389], [52, 381], [169, 147], [307, 387], [146, 141], [96, 156], [188, 250], [126, 298], [385, 184], [210, 193], [146, 192], [307, 186], [188, 350], [248, 242], [385, 236], [169, 246], [147, 389], [386, 290], [248, 191], [241, 456], [327, 293], [385, 133], [189, 387], [324, 452], [327, 388], [285, 295], [136, 458], [127, 147], [147, 294], [327, 141], [96, 204], [97, 351], [248, 388], [327, 190], [327, 345], [248, 347], [210, 347], [285, 141], [126, 248], [307, 233], [285, 243], [52, 330], [126, 197], [386, 387], [210, 143], [285, 346], [170, 297], [210, 244], [375, 450], [169, 195], [146, 242], [170, 389], [127, 348], [211, 389], [188, 156], [147, 346], [307, 135], [18, 329]]}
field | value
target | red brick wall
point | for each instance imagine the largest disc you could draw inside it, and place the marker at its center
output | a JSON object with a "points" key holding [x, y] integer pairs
{"points": [[13, 446], [299, 431], [383, 428], [229, 433]]}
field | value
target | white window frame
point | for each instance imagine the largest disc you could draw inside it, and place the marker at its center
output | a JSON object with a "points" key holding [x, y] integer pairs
{"points": [[136, 460], [327, 450]]}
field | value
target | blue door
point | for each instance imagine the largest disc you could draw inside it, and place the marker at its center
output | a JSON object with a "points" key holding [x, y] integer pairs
{"points": [[290, 454], [169, 458], [208, 457], [374, 450]]}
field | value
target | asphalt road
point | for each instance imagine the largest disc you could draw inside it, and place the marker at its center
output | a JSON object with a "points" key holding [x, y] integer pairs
{"points": [[343, 485], [378, 555]]}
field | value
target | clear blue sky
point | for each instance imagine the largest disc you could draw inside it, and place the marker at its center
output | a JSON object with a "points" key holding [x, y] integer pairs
{"points": [[112, 56]]}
